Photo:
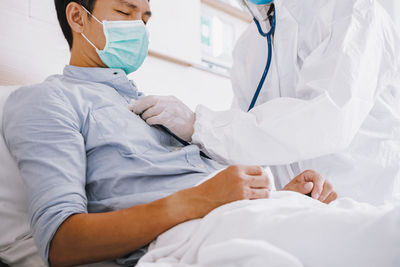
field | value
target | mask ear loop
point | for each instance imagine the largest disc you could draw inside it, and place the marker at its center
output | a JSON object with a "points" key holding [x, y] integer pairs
{"points": [[90, 14], [87, 39], [84, 36]]}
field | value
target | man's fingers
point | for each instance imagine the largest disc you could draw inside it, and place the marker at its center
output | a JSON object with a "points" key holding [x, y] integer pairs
{"points": [[258, 182], [318, 182], [254, 170], [259, 194], [257, 178], [306, 188], [332, 197], [328, 188], [300, 187], [139, 106]]}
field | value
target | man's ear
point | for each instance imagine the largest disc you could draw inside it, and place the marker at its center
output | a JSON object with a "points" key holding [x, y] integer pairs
{"points": [[75, 16]]}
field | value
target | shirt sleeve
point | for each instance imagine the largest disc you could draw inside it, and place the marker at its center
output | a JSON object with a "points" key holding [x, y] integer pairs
{"points": [[43, 134], [339, 82]]}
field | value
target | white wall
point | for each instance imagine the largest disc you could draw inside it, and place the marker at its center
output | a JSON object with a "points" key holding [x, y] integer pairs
{"points": [[32, 47], [191, 85], [176, 33]]}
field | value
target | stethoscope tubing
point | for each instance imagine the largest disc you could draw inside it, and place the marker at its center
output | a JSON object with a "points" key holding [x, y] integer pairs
{"points": [[268, 35]]}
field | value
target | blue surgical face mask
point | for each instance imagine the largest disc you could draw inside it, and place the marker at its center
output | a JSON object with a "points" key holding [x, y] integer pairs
{"points": [[127, 44], [260, 2]]}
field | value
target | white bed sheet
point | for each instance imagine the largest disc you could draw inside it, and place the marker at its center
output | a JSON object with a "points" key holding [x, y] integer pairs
{"points": [[288, 230]]}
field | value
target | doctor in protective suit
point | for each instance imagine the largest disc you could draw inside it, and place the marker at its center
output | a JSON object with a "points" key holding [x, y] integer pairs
{"points": [[317, 86]]}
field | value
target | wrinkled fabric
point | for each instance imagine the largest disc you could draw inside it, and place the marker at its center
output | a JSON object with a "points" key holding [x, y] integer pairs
{"points": [[287, 230], [331, 101]]}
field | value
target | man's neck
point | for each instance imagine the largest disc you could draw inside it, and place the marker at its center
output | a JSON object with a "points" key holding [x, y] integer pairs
{"points": [[80, 58]]}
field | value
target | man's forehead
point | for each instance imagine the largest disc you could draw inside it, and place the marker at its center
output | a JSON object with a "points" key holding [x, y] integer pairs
{"points": [[132, 3]]}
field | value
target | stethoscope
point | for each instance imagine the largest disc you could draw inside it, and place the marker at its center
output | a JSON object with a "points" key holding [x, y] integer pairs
{"points": [[262, 81], [269, 36]]}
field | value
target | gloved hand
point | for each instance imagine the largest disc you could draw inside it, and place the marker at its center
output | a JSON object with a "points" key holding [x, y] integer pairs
{"points": [[167, 111]]}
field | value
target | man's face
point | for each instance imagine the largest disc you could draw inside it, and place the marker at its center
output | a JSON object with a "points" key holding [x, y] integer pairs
{"points": [[111, 10]]}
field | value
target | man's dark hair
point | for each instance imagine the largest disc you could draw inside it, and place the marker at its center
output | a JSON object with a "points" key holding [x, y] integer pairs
{"points": [[61, 7]]}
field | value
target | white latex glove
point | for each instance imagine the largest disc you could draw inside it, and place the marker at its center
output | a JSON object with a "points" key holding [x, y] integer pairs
{"points": [[167, 111]]}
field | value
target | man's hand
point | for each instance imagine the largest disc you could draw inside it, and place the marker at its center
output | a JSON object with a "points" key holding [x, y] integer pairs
{"points": [[232, 184], [311, 182], [113, 234], [167, 111]]}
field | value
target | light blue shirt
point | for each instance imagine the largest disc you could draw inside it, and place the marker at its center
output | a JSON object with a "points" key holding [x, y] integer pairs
{"points": [[79, 149]]}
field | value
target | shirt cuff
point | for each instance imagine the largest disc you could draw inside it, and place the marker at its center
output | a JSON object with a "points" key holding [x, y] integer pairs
{"points": [[47, 218]]}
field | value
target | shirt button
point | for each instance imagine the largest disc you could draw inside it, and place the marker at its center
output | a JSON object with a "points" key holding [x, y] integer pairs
{"points": [[177, 149]]}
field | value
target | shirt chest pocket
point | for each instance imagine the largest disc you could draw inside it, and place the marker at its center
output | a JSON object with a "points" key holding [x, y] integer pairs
{"points": [[117, 127]]}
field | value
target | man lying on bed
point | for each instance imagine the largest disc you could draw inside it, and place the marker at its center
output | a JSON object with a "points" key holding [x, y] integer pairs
{"points": [[102, 183]]}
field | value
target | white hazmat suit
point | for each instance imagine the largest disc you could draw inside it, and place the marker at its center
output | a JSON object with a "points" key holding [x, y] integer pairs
{"points": [[331, 101]]}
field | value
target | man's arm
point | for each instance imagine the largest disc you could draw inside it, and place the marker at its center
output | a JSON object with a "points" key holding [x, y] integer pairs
{"points": [[87, 238], [42, 131]]}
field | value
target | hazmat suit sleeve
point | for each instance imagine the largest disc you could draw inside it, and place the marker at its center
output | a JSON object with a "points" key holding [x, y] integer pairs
{"points": [[342, 74]]}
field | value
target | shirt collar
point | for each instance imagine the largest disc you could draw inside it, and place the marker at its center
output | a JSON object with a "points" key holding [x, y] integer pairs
{"points": [[116, 78]]}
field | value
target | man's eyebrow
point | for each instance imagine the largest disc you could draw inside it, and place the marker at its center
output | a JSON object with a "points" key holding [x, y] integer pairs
{"points": [[130, 5]]}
